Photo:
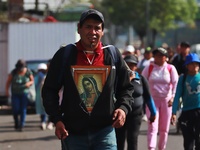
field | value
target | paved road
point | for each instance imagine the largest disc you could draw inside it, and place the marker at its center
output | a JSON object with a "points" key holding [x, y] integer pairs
{"points": [[33, 138]]}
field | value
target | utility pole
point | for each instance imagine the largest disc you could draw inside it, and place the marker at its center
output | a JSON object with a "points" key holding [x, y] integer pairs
{"points": [[147, 22], [36, 4]]}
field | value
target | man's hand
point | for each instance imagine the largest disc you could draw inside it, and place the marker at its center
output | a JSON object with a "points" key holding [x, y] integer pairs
{"points": [[119, 118], [60, 131]]}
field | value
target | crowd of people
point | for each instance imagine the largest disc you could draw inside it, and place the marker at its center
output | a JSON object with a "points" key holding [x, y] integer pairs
{"points": [[173, 78], [100, 114]]}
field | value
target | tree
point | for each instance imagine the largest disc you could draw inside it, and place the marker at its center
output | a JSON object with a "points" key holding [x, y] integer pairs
{"points": [[155, 16]]}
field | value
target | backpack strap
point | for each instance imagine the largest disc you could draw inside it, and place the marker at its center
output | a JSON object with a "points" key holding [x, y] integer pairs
{"points": [[169, 68], [66, 59], [150, 70], [115, 58], [113, 53]]}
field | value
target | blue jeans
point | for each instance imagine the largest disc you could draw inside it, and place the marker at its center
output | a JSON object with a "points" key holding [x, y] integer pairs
{"points": [[104, 139], [19, 107], [43, 118]]}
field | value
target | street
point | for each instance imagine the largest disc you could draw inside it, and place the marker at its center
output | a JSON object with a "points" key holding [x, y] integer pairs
{"points": [[33, 138]]}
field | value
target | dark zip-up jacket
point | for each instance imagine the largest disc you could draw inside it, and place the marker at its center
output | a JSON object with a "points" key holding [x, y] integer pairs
{"points": [[141, 96], [72, 111]]}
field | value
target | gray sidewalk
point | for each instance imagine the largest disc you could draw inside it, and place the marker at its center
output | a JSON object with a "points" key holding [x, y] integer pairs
{"points": [[33, 138]]}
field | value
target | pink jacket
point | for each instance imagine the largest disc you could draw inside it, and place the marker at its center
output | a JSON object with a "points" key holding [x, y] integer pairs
{"points": [[162, 80]]}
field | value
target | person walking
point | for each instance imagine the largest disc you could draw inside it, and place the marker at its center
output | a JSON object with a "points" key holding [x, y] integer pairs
{"points": [[74, 125], [148, 58], [188, 89], [20, 79], [163, 79], [142, 96], [129, 50], [39, 80], [179, 59]]}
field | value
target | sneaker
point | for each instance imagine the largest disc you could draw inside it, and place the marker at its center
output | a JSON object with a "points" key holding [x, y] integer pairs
{"points": [[144, 118], [50, 126], [43, 126]]}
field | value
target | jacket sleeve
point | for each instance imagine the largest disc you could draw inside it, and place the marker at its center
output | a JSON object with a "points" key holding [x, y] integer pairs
{"points": [[124, 88], [147, 97], [174, 79], [52, 85], [179, 92]]}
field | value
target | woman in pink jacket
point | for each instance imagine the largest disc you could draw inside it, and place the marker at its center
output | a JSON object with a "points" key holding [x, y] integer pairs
{"points": [[163, 79]]}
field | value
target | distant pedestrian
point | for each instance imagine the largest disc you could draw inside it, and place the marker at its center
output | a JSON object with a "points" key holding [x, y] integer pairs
{"points": [[189, 89], [20, 79], [179, 59], [148, 57], [39, 80], [163, 79], [129, 50]]}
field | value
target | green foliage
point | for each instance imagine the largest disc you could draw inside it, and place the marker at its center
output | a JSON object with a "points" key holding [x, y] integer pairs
{"points": [[158, 15], [163, 14]]}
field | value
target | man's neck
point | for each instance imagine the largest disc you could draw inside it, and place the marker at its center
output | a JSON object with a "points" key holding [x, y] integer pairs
{"points": [[91, 47]]}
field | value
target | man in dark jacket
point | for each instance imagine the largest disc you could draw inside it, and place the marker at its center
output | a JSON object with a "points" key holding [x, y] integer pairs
{"points": [[179, 59], [77, 127]]}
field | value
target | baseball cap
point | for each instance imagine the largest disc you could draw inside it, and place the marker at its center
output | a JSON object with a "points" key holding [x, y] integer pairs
{"points": [[130, 48], [90, 12], [161, 50], [42, 66], [131, 59], [185, 44], [148, 49], [192, 57], [20, 64]]}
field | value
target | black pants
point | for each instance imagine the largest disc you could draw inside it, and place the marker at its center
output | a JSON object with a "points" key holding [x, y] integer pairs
{"points": [[189, 122], [129, 131]]}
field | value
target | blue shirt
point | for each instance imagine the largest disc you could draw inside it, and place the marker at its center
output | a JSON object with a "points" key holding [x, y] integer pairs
{"points": [[189, 91]]}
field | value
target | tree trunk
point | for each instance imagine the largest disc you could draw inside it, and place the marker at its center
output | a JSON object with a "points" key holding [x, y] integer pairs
{"points": [[154, 34]]}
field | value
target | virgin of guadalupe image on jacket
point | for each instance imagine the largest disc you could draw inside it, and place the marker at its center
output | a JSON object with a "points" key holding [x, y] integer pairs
{"points": [[90, 92]]}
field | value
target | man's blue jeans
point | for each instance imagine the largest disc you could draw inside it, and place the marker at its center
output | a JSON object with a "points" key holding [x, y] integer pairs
{"points": [[19, 107], [104, 139]]}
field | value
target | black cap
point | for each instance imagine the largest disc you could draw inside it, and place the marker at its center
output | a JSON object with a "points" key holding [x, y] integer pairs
{"points": [[20, 64], [161, 50], [90, 12], [131, 59], [185, 44]]}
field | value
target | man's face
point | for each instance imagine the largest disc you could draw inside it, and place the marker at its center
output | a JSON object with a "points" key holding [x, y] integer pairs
{"points": [[91, 33], [185, 50], [147, 55]]}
